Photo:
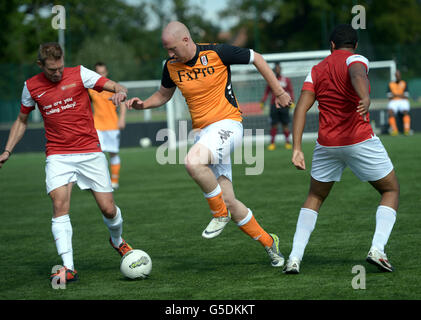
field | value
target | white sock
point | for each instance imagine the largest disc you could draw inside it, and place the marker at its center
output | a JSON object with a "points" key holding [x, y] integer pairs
{"points": [[305, 226], [213, 193], [115, 159], [385, 219], [246, 219], [62, 233], [115, 226]]}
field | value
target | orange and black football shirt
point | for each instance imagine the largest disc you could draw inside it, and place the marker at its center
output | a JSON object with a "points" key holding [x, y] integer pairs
{"points": [[205, 82], [397, 89]]}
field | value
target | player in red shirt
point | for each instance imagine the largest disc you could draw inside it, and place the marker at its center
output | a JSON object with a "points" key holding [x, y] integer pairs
{"points": [[279, 114], [73, 150], [340, 85]]}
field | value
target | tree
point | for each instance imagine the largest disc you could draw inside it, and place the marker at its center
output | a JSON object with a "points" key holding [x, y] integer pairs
{"points": [[393, 28]]}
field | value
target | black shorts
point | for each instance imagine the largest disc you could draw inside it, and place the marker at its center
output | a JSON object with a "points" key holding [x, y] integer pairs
{"points": [[279, 115]]}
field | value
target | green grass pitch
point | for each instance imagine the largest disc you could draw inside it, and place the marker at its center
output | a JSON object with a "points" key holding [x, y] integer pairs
{"points": [[164, 214]]}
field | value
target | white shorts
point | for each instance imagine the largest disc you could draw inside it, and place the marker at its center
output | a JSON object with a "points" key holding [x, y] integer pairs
{"points": [[398, 105], [89, 170], [221, 138], [109, 140], [368, 160]]}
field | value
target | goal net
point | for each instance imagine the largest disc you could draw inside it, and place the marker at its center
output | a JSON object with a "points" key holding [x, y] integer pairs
{"points": [[249, 87]]}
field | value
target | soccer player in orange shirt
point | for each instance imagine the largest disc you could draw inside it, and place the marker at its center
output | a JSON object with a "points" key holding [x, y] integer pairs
{"points": [[108, 124], [398, 94], [202, 73]]}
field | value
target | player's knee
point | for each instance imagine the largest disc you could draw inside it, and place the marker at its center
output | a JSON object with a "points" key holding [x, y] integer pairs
{"points": [[109, 210], [189, 165], [192, 165], [393, 188], [61, 206]]}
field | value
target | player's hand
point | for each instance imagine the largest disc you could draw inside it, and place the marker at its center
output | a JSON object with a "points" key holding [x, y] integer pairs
{"points": [[298, 160], [118, 97], [283, 100], [363, 106], [4, 157], [135, 103]]}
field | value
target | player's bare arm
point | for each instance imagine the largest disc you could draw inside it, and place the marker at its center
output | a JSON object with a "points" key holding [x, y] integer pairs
{"points": [[359, 80], [282, 97], [16, 133], [119, 90], [122, 116], [160, 97], [305, 102]]}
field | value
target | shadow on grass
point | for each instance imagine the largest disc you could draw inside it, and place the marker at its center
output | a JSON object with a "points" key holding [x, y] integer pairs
{"points": [[317, 263]]}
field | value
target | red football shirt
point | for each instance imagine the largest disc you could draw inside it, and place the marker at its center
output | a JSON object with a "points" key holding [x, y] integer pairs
{"points": [[339, 122], [66, 109]]}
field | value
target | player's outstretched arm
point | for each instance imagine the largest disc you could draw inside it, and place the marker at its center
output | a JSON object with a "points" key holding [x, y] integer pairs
{"points": [[359, 80], [16, 133], [306, 100], [122, 116], [160, 97], [282, 97], [119, 90]]}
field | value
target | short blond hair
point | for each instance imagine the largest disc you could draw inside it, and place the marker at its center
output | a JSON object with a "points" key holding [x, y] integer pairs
{"points": [[49, 50]]}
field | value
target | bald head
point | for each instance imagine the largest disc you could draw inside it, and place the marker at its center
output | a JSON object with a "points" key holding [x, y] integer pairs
{"points": [[176, 30], [177, 41]]}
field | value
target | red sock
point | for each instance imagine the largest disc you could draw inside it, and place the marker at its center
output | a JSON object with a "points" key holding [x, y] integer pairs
{"points": [[286, 133], [273, 132]]}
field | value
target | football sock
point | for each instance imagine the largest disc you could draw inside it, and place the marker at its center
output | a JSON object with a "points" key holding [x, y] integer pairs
{"points": [[392, 124], [115, 168], [216, 202], [406, 122], [305, 226], [273, 132], [61, 228], [115, 226], [286, 134], [385, 219], [251, 227]]}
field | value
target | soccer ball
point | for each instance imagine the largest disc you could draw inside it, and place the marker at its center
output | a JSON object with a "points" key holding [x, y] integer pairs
{"points": [[145, 142], [136, 264]]}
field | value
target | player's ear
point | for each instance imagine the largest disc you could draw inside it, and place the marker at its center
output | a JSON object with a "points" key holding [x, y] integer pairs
{"points": [[332, 46], [39, 63], [356, 46]]}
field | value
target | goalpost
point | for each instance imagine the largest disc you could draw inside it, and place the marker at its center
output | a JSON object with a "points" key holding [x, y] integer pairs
{"points": [[249, 86]]}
